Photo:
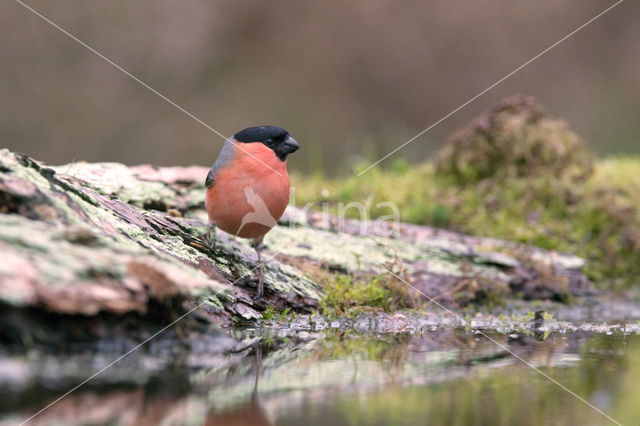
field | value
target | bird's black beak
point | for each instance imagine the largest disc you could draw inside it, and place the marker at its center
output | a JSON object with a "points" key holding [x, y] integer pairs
{"points": [[286, 147], [290, 145]]}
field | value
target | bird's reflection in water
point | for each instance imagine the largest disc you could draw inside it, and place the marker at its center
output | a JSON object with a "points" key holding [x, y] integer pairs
{"points": [[251, 413]]}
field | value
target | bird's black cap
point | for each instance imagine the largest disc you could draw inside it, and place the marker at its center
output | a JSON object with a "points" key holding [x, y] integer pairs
{"points": [[261, 134], [274, 137]]}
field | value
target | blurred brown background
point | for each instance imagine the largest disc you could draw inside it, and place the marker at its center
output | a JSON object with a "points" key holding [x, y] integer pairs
{"points": [[350, 79]]}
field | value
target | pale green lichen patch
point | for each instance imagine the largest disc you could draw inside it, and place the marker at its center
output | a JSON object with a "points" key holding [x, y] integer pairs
{"points": [[117, 180], [360, 253], [73, 277]]}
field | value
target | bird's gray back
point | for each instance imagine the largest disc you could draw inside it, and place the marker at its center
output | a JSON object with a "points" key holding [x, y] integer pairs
{"points": [[225, 157]]}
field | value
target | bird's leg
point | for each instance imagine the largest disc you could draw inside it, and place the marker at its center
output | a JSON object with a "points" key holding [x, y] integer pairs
{"points": [[258, 246], [258, 368], [210, 235]]}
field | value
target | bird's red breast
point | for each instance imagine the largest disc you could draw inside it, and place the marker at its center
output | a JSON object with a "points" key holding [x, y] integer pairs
{"points": [[248, 196]]}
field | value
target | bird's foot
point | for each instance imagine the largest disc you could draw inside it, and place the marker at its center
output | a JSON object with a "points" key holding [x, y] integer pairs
{"points": [[257, 297], [258, 246], [260, 291], [210, 236]]}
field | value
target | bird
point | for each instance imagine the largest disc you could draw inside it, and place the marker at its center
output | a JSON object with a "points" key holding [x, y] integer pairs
{"points": [[248, 186]]}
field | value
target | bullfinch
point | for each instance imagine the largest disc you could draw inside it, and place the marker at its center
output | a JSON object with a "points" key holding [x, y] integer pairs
{"points": [[248, 186]]}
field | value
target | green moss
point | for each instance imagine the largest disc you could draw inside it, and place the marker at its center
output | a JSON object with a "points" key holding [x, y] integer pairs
{"points": [[596, 218], [271, 314], [349, 295], [515, 138]]}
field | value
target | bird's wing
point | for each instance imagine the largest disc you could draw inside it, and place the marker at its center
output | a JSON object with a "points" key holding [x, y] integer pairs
{"points": [[211, 178]]}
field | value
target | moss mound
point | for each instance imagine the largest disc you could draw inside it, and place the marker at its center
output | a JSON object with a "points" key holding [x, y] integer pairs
{"points": [[514, 174], [514, 139]]}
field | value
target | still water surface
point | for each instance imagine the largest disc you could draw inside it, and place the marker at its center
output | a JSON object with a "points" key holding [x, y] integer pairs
{"points": [[450, 377]]}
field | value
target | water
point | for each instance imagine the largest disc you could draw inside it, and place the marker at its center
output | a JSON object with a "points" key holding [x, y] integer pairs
{"points": [[451, 377]]}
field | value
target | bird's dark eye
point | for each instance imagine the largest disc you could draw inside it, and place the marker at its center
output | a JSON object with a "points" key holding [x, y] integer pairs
{"points": [[268, 142]]}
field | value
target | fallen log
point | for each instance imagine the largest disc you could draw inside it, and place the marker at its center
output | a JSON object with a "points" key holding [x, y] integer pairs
{"points": [[90, 238]]}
